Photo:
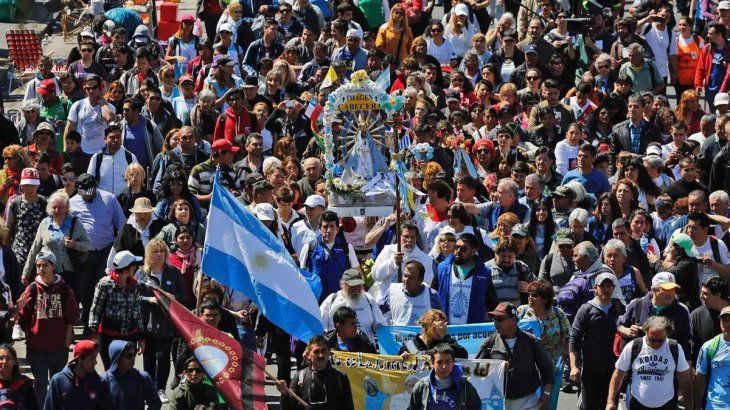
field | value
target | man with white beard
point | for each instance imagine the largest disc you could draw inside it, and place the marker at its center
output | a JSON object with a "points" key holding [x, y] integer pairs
{"points": [[385, 269], [409, 299], [352, 294]]}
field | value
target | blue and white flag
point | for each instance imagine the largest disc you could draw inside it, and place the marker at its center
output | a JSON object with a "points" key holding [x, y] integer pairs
{"points": [[405, 142], [241, 253], [383, 80]]}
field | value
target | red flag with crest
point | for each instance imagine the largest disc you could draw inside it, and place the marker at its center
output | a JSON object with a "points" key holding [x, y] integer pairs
{"points": [[237, 372]]}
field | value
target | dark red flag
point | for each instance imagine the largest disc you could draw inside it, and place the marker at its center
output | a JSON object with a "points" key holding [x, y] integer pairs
{"points": [[237, 372]]}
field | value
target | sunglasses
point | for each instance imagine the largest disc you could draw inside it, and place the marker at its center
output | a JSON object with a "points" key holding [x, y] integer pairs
{"points": [[531, 78], [154, 98], [194, 370], [68, 179], [87, 50], [436, 30], [90, 87]]}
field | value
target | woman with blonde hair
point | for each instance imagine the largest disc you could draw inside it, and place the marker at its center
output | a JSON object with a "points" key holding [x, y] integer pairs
{"points": [[689, 111], [168, 84], [286, 72], [395, 36], [157, 272], [181, 47], [459, 30], [433, 333], [16, 159], [503, 229], [136, 178]]}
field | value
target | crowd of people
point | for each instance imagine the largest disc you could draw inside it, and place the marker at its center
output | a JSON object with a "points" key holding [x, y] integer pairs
{"points": [[588, 200]]}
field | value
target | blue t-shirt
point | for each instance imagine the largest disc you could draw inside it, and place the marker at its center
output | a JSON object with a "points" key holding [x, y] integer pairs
{"points": [[717, 72], [134, 141], [595, 183], [718, 385]]}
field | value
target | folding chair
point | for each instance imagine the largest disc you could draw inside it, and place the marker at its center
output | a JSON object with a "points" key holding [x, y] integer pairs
{"points": [[25, 51]]}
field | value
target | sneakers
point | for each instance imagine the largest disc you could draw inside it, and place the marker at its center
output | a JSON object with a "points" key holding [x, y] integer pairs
{"points": [[18, 333], [162, 396]]}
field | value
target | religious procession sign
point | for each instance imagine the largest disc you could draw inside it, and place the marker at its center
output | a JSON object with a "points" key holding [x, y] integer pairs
{"points": [[357, 136]]}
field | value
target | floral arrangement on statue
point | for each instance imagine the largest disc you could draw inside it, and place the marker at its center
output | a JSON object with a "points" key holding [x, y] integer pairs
{"points": [[458, 141]]}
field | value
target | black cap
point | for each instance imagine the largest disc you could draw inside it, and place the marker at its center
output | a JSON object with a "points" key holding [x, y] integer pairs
{"points": [[453, 95], [85, 181], [251, 81]]}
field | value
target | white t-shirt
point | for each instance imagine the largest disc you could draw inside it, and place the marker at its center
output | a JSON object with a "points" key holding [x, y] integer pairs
{"points": [[90, 124], [566, 157], [652, 380], [443, 53], [703, 272], [659, 41]]}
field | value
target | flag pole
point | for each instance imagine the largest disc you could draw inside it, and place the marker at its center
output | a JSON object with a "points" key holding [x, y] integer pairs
{"points": [[289, 391]]}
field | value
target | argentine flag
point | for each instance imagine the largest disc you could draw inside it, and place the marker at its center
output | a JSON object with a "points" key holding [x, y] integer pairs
{"points": [[241, 253]]}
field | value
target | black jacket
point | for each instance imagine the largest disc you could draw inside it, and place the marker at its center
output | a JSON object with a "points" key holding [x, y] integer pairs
{"points": [[126, 199], [621, 140], [720, 171], [156, 322], [360, 343], [704, 324], [128, 239], [329, 387], [592, 335], [529, 364]]}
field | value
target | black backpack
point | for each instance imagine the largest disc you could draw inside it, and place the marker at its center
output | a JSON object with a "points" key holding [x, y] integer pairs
{"points": [[10, 398]]}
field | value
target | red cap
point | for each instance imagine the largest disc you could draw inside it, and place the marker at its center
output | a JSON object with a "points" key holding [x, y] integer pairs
{"points": [[84, 348], [187, 17], [223, 145], [186, 77], [47, 86]]}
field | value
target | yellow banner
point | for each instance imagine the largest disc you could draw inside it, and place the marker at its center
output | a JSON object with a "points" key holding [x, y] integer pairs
{"points": [[385, 382], [359, 102]]}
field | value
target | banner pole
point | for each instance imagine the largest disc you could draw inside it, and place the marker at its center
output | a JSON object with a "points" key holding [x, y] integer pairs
{"points": [[288, 390]]}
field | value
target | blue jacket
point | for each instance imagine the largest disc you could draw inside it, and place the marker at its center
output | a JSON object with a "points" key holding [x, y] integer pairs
{"points": [[132, 390], [360, 58], [66, 391], [329, 265], [482, 295]]}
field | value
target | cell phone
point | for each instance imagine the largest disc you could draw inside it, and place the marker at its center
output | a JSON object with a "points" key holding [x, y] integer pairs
{"points": [[290, 104]]}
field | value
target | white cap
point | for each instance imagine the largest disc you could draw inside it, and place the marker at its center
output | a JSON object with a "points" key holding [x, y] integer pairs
{"points": [[606, 276], [665, 280], [353, 33], [87, 32], [125, 258], [654, 150], [461, 10], [265, 212], [578, 189], [314, 201], [722, 98], [109, 26], [724, 5], [226, 27]]}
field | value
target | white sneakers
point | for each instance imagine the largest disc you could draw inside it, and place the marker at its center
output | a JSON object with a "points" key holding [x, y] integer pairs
{"points": [[18, 333]]}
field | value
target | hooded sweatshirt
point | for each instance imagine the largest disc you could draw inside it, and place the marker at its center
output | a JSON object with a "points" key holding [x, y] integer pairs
{"points": [[235, 125], [430, 393], [129, 391], [66, 391], [45, 317]]}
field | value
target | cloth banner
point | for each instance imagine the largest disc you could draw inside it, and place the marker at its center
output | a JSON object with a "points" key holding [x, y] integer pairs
{"points": [[471, 337], [385, 382]]}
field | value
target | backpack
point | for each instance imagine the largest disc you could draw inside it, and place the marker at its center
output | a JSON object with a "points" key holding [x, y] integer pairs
{"points": [[574, 294], [10, 398], [176, 42], [100, 156]]}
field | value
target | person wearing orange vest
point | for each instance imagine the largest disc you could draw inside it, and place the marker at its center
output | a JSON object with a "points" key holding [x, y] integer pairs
{"points": [[689, 48]]}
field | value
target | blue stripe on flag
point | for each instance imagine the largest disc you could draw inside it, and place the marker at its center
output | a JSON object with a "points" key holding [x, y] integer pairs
{"points": [[241, 253], [404, 142]]}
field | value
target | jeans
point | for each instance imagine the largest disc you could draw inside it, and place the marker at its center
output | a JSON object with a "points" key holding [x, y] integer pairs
{"points": [[95, 269], [44, 365], [156, 360], [529, 402]]}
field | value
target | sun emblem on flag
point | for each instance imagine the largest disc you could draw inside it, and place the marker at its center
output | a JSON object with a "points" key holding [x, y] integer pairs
{"points": [[260, 260]]}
